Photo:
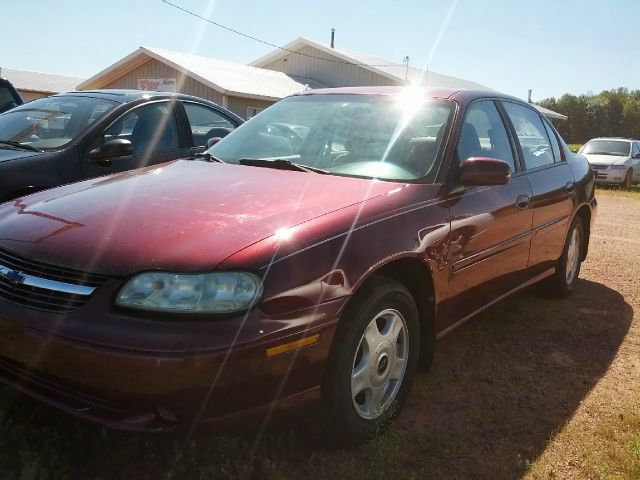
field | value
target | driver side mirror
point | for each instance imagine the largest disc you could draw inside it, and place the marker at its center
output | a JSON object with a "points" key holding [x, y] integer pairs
{"points": [[118, 147], [483, 171], [636, 155]]}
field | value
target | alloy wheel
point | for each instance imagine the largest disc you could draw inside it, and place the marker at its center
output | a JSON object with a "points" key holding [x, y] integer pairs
{"points": [[379, 364]]}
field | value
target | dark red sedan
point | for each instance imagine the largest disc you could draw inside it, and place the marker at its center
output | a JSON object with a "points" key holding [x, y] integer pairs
{"points": [[317, 255]]}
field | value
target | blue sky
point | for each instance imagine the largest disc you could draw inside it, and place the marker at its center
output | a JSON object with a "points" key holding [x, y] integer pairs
{"points": [[550, 46]]}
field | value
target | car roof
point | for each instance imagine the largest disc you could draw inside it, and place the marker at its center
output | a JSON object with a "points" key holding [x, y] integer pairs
{"points": [[125, 96], [459, 94]]}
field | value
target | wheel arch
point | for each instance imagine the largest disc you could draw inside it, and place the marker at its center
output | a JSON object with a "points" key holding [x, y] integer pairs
{"points": [[417, 277]]}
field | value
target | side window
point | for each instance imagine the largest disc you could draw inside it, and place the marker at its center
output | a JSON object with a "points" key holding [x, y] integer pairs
{"points": [[554, 142], [483, 134], [150, 128], [532, 135], [206, 123], [635, 150]]}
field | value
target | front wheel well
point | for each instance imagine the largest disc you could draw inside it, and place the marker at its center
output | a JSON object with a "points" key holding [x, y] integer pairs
{"points": [[417, 278]]}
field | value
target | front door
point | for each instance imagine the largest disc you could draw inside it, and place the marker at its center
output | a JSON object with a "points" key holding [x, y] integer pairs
{"points": [[153, 131], [490, 226]]}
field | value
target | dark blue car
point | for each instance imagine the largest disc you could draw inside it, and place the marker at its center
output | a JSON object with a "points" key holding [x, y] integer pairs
{"points": [[74, 136]]}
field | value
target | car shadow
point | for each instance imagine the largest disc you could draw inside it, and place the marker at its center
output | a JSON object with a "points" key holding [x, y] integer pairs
{"points": [[501, 386], [506, 381]]}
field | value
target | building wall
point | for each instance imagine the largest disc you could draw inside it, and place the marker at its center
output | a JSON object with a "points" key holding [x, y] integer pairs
{"points": [[239, 105], [190, 86], [28, 95], [330, 74], [156, 69]]}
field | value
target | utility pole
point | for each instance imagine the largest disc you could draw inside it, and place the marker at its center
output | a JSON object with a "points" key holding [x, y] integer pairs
{"points": [[406, 69]]}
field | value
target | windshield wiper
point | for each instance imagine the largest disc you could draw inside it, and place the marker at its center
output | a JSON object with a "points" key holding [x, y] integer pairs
{"points": [[281, 164], [22, 146], [209, 158]]}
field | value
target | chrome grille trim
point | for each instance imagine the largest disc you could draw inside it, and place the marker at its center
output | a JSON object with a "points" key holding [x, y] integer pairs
{"points": [[44, 283]]}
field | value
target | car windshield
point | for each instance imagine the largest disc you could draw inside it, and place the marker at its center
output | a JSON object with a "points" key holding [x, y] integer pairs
{"points": [[52, 122], [394, 138], [607, 147]]}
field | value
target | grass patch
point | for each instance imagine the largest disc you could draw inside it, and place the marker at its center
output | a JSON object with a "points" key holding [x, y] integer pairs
{"points": [[574, 147], [631, 192]]}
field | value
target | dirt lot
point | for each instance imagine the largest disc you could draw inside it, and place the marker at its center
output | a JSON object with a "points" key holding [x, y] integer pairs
{"points": [[532, 388]]}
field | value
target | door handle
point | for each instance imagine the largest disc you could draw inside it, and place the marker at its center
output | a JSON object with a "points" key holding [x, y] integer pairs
{"points": [[569, 186], [522, 202]]}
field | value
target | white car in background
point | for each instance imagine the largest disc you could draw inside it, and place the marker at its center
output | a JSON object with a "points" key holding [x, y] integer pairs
{"points": [[614, 160]]}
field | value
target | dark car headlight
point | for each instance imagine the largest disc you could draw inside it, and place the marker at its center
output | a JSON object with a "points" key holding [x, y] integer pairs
{"points": [[217, 292]]}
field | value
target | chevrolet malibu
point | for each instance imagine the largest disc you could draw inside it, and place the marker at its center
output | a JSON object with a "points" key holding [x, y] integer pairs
{"points": [[315, 256]]}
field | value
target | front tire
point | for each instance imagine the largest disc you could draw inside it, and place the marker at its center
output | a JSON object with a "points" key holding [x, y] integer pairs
{"points": [[564, 280], [373, 361]]}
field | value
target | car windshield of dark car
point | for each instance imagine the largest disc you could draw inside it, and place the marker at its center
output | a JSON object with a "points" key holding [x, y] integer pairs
{"points": [[385, 137], [607, 147], [52, 122]]}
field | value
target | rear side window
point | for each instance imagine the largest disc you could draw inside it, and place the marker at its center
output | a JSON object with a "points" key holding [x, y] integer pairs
{"points": [[483, 134], [554, 142], [206, 123], [532, 135]]}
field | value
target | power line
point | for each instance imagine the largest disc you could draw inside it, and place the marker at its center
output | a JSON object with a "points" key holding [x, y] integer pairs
{"points": [[264, 42]]}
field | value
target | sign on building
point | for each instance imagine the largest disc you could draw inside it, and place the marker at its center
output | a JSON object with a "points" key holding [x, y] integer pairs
{"points": [[157, 84]]}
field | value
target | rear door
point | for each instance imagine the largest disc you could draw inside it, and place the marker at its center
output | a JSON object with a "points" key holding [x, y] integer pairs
{"points": [[551, 180], [490, 226], [205, 122]]}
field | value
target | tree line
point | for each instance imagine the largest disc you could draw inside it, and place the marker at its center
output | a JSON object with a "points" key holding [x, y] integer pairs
{"points": [[613, 113]]}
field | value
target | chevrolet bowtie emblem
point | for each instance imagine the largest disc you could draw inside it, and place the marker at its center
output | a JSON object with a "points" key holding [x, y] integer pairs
{"points": [[13, 276]]}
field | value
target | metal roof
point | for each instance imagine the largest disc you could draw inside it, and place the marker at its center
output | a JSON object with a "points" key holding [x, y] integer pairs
{"points": [[386, 68], [40, 82], [550, 113], [225, 77], [394, 71]]}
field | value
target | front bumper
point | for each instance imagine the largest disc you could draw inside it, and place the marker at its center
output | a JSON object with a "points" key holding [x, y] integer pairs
{"points": [[609, 176], [136, 389]]}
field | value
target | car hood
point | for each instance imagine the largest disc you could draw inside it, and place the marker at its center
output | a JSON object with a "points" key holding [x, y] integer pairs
{"points": [[9, 153], [185, 215], [605, 159]]}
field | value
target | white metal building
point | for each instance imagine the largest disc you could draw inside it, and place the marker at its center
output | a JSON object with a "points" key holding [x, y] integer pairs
{"points": [[243, 89], [32, 85]]}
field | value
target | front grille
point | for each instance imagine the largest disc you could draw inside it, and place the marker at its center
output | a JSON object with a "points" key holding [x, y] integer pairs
{"points": [[53, 299], [599, 167]]}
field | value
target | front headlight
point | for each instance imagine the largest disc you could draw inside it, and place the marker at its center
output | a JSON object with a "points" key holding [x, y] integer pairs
{"points": [[618, 167], [218, 292]]}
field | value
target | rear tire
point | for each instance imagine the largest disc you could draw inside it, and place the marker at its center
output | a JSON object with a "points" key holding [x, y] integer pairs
{"points": [[564, 280], [372, 363]]}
